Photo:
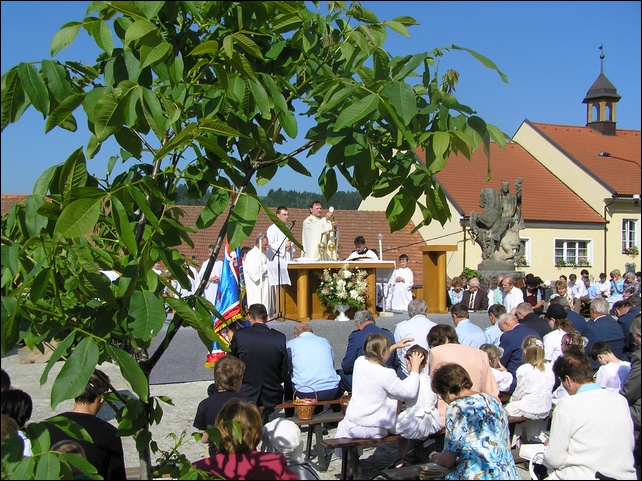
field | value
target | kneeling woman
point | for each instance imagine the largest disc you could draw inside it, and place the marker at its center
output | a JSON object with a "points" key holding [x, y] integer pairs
{"points": [[477, 441], [372, 410]]}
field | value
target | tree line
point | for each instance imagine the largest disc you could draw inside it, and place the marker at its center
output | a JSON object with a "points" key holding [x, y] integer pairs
{"points": [[292, 199]]}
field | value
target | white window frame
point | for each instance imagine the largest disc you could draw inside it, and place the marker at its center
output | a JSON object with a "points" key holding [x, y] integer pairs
{"points": [[577, 261], [629, 233], [527, 251]]}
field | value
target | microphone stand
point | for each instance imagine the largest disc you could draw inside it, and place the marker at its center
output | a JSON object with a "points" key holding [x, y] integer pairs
{"points": [[279, 315]]}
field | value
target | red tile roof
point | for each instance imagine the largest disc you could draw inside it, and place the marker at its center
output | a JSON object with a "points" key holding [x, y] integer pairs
{"points": [[9, 200], [619, 173], [351, 223], [542, 192]]}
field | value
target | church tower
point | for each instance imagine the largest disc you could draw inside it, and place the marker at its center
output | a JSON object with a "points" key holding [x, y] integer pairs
{"points": [[600, 103]]}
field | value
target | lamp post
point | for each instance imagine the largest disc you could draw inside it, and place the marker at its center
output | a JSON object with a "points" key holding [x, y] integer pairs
{"points": [[609, 154]]}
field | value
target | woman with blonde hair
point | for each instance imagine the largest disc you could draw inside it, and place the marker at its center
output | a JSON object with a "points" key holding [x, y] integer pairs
{"points": [[237, 458], [503, 378], [535, 380]]}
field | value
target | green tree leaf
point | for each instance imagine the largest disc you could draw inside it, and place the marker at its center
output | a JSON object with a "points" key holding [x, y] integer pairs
{"points": [[64, 37], [108, 116], [102, 35], [242, 220], [35, 87], [78, 218], [357, 111], [131, 371], [48, 466], [147, 313], [63, 111], [75, 373], [13, 98]]}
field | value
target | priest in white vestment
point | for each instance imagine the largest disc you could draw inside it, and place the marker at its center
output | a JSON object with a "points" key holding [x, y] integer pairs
{"points": [[255, 269], [211, 288], [315, 229], [400, 286], [280, 251]]}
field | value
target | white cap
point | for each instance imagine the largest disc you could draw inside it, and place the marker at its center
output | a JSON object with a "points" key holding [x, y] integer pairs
{"points": [[283, 436]]}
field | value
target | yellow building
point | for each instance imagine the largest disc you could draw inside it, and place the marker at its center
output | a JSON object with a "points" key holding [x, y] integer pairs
{"points": [[581, 194]]}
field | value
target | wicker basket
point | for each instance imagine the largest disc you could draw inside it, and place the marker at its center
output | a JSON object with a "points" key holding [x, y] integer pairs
{"points": [[304, 407], [345, 399]]}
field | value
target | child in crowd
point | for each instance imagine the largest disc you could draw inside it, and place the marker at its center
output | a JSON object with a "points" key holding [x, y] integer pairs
{"points": [[535, 381], [503, 378], [533, 393], [18, 405], [421, 418], [228, 377], [284, 437], [560, 325], [571, 341], [613, 372]]}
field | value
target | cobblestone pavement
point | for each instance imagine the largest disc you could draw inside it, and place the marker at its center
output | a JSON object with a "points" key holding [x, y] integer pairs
{"points": [[177, 418]]}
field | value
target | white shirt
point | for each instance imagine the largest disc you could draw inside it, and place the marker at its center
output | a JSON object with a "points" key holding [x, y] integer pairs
{"points": [[416, 327], [512, 298], [369, 254], [591, 431], [613, 374], [553, 345]]}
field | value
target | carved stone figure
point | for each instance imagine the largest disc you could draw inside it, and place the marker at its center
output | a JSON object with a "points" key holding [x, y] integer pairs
{"points": [[496, 229]]}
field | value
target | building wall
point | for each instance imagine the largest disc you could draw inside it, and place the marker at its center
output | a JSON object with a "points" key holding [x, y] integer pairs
{"points": [[584, 185]]}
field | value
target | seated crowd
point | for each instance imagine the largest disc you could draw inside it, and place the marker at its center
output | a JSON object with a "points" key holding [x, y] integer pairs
{"points": [[575, 378]]}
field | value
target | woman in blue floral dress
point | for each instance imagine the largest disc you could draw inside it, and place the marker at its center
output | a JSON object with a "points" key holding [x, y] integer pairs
{"points": [[477, 441]]}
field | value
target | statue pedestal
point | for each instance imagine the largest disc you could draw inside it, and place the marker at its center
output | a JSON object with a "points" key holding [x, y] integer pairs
{"points": [[490, 269], [496, 266]]}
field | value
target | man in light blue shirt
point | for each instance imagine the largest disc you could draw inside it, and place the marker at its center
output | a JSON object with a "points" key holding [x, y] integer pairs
{"points": [[417, 327], [493, 333], [312, 365], [468, 333]]}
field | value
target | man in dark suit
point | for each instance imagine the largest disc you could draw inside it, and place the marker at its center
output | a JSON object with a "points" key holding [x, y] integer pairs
{"points": [[475, 298], [526, 316], [365, 322], [603, 327], [511, 341], [631, 388], [266, 361], [626, 312]]}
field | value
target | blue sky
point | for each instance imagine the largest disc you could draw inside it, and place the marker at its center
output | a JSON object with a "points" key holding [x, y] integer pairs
{"points": [[548, 50]]}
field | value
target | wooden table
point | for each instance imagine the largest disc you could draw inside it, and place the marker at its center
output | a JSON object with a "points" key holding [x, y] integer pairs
{"points": [[300, 299]]}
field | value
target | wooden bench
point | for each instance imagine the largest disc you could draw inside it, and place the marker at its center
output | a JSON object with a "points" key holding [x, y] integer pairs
{"points": [[349, 446], [315, 426], [349, 450], [412, 472]]}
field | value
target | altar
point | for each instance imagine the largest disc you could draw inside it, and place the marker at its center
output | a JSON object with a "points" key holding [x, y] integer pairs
{"points": [[300, 301]]}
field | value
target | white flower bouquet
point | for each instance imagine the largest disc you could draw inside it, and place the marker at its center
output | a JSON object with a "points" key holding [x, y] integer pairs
{"points": [[345, 286]]}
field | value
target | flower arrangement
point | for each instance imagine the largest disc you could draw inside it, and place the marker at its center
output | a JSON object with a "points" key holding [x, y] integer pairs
{"points": [[631, 251], [346, 286]]}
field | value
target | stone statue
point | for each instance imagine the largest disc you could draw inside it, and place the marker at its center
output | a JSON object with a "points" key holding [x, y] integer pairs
{"points": [[496, 229]]}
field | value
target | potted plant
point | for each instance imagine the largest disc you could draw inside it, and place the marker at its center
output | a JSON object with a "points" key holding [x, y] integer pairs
{"points": [[343, 288]]}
